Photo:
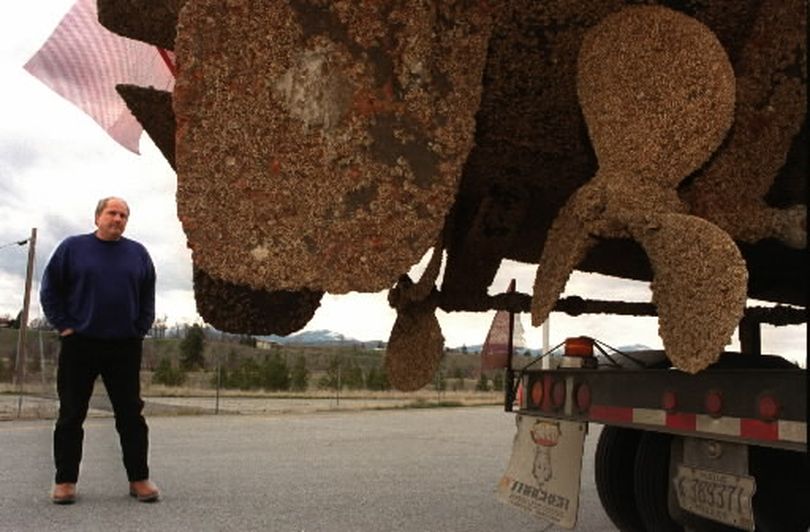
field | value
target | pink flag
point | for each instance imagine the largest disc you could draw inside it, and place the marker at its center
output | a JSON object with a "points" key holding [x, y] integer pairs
{"points": [[83, 62], [495, 353]]}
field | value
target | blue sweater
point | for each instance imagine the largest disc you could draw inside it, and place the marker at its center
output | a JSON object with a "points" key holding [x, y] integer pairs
{"points": [[99, 288]]}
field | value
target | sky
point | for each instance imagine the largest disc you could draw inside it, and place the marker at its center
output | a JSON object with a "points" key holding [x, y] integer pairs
{"points": [[56, 162]]}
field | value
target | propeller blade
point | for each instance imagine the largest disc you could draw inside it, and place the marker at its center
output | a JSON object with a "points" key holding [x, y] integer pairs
{"points": [[699, 286], [415, 348], [566, 245]]}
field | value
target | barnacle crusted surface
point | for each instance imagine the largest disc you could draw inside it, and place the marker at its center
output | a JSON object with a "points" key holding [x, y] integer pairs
{"points": [[699, 286], [152, 21], [532, 151], [227, 306], [771, 109], [240, 309], [657, 93], [567, 243], [319, 144], [153, 109], [415, 347]]}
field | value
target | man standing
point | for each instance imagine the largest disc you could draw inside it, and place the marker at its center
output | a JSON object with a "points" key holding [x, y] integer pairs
{"points": [[98, 291]]}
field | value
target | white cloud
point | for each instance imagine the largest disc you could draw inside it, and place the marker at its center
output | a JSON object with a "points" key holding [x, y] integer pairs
{"points": [[177, 306], [357, 315]]}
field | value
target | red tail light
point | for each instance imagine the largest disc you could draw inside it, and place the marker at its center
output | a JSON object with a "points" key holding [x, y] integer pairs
{"points": [[558, 394], [669, 401], [537, 393], [714, 403], [768, 407], [583, 397]]}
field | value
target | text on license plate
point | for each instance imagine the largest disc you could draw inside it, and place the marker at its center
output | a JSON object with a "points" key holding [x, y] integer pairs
{"points": [[718, 496]]}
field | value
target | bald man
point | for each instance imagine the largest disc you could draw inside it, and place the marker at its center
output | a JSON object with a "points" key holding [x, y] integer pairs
{"points": [[98, 291]]}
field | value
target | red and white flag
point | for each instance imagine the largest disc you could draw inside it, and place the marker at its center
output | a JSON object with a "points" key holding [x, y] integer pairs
{"points": [[83, 62], [495, 353]]}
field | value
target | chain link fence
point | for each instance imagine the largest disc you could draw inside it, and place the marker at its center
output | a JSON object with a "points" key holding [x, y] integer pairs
{"points": [[334, 381]]}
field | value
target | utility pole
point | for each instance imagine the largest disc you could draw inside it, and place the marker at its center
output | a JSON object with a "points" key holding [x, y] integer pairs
{"points": [[509, 373], [20, 364], [219, 380], [338, 383], [546, 362]]}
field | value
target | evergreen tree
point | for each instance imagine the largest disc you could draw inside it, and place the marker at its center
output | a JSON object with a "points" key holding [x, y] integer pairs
{"points": [[299, 375], [275, 373], [377, 379], [483, 384], [497, 381], [384, 384], [249, 375], [373, 379], [253, 374], [248, 340], [352, 376], [5, 372], [441, 381], [333, 375], [458, 375], [167, 375], [191, 348]]}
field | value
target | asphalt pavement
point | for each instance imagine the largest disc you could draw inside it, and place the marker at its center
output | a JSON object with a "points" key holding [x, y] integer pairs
{"points": [[399, 470]]}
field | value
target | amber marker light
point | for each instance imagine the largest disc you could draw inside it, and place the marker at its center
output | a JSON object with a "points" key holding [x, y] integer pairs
{"points": [[581, 346]]}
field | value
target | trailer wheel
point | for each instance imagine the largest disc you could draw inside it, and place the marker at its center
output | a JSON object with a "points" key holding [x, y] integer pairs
{"points": [[651, 482], [613, 472], [783, 489]]}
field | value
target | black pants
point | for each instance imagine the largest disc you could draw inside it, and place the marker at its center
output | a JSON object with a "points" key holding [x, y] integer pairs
{"points": [[81, 361]]}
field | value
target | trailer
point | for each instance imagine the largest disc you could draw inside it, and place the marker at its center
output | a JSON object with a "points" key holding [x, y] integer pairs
{"points": [[726, 447]]}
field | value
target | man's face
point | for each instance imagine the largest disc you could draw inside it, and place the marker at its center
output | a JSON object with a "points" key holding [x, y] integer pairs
{"points": [[113, 220]]}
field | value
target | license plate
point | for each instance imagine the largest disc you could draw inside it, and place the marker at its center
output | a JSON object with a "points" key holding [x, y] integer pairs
{"points": [[718, 496]]}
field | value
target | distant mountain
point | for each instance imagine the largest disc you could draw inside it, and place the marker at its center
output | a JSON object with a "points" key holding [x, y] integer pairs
{"points": [[633, 347], [624, 349], [331, 338], [319, 337], [325, 337]]}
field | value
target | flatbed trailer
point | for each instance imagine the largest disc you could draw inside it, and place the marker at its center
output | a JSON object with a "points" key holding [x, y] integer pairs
{"points": [[723, 449]]}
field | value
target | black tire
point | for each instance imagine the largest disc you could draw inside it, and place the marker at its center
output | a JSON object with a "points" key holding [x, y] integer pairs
{"points": [[613, 472], [783, 489], [651, 482]]}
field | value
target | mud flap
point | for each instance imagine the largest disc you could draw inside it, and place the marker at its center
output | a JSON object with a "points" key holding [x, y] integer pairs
{"points": [[543, 475]]}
